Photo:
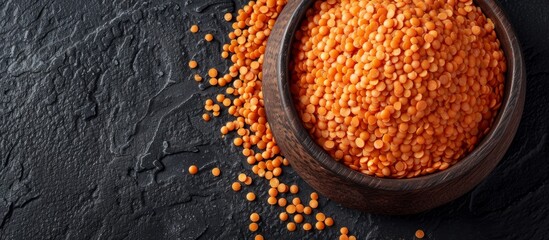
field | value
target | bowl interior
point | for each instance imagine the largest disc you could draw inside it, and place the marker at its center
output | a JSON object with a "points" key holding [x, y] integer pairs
{"points": [[511, 49]]}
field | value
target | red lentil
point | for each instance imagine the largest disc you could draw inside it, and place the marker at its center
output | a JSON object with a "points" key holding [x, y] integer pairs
{"points": [[216, 172], [193, 169], [228, 17], [254, 217], [194, 28], [193, 64], [283, 216], [250, 196], [208, 37], [253, 227], [291, 226], [236, 186], [420, 234]]}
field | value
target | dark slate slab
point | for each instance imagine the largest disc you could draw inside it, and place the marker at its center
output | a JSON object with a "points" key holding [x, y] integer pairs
{"points": [[99, 116]]}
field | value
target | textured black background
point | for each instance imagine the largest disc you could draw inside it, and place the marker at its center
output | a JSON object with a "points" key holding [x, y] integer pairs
{"points": [[99, 116]]}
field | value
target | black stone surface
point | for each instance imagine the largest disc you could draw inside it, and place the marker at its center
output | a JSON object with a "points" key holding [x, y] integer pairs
{"points": [[99, 116]]}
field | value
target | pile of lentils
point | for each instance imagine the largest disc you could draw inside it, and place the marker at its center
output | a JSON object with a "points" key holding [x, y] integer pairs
{"points": [[243, 99], [397, 88]]}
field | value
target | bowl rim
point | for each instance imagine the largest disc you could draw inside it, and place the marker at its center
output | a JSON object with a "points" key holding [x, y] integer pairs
{"points": [[514, 86]]}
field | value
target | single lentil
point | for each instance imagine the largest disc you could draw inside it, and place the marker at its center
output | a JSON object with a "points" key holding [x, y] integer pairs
{"points": [[283, 216], [271, 200], [216, 172], [250, 196], [213, 73], [206, 117], [282, 202], [193, 64], [319, 225], [193, 169], [254, 217], [313, 203], [208, 37], [248, 181], [253, 227], [242, 177], [290, 209], [294, 189], [298, 218], [329, 221], [291, 226], [236, 186], [420, 234], [320, 217], [228, 17], [194, 28]]}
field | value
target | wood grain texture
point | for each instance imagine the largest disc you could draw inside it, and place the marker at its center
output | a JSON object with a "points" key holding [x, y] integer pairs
{"points": [[378, 195]]}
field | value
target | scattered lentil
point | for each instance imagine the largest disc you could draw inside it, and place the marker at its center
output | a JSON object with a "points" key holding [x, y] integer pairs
{"points": [[313, 203], [212, 73], [298, 218], [420, 234], [254, 217], [290, 209], [271, 200], [193, 169], [208, 37], [283, 216], [228, 17], [307, 210], [242, 177], [329, 221], [194, 28], [216, 172], [319, 225], [294, 189], [253, 227], [291, 226], [320, 217], [206, 117], [282, 202], [193, 64], [236, 186], [248, 181], [250, 196]]}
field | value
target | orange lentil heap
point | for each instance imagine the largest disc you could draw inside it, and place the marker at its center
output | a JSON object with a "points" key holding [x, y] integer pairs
{"points": [[397, 88], [247, 46], [243, 99]]}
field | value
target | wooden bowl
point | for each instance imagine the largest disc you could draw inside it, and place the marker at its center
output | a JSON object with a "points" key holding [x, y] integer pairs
{"points": [[381, 195]]}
